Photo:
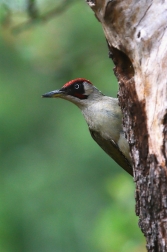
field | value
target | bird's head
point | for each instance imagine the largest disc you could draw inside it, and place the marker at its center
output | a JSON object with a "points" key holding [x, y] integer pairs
{"points": [[79, 91]]}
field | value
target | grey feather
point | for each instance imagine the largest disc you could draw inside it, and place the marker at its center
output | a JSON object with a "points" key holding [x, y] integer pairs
{"points": [[112, 149]]}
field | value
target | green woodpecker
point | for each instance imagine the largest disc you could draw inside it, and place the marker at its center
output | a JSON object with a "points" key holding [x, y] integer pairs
{"points": [[103, 116]]}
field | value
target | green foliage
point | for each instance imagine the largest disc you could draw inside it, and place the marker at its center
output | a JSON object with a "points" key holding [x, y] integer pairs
{"points": [[59, 191]]}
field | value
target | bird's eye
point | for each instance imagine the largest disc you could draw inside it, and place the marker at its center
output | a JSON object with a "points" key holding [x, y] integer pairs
{"points": [[76, 86]]}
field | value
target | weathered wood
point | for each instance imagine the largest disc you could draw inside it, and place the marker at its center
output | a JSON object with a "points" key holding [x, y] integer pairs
{"points": [[136, 32]]}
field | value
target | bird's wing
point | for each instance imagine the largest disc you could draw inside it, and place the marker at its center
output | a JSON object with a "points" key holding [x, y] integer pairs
{"points": [[112, 149]]}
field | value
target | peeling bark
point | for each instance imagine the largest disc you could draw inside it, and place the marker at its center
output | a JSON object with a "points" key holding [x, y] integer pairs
{"points": [[136, 33]]}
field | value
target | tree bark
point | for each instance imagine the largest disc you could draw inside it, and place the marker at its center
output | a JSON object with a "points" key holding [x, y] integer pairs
{"points": [[136, 33]]}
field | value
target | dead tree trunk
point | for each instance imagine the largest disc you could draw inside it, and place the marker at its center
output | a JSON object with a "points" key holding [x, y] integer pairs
{"points": [[136, 32]]}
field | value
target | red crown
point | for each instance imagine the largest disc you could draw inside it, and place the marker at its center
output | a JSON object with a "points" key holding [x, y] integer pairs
{"points": [[76, 80]]}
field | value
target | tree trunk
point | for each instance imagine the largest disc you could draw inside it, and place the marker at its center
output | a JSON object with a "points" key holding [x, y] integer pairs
{"points": [[136, 32]]}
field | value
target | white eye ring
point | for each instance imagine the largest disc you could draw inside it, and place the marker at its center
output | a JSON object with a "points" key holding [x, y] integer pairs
{"points": [[76, 86]]}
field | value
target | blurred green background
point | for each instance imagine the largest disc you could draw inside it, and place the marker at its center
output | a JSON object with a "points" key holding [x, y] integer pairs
{"points": [[59, 191]]}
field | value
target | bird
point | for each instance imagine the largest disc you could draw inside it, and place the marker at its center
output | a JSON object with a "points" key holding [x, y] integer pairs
{"points": [[103, 116]]}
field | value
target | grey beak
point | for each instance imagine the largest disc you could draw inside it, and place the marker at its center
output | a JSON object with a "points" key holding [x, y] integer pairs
{"points": [[53, 94]]}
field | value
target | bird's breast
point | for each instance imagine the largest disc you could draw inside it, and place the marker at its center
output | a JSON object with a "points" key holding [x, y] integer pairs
{"points": [[106, 120], [103, 120]]}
